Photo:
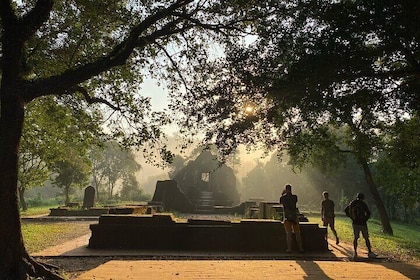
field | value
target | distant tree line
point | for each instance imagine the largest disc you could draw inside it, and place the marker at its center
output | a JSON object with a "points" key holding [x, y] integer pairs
{"points": [[396, 171], [65, 147]]}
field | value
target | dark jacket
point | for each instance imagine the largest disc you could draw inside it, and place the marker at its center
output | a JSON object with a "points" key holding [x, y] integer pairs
{"points": [[289, 201], [358, 211]]}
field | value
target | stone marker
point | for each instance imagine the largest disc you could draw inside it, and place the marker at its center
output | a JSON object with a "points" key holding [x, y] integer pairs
{"points": [[89, 198]]}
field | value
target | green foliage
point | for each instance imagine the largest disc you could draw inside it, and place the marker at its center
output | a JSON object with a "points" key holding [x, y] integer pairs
{"points": [[72, 171], [38, 201], [55, 136], [267, 181], [131, 191], [404, 147], [97, 54], [112, 163], [39, 210], [323, 78], [398, 168]]}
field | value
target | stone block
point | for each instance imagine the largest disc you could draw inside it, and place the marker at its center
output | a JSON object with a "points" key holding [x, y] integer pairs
{"points": [[162, 232]]}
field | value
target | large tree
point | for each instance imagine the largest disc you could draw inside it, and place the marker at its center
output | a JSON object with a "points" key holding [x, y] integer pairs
{"points": [[398, 168], [72, 171], [33, 168], [50, 131], [131, 189], [321, 78], [95, 52], [113, 165]]}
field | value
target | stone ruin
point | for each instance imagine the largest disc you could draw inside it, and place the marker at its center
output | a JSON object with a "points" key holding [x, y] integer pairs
{"points": [[186, 194], [201, 186], [89, 197], [88, 208], [164, 232]]}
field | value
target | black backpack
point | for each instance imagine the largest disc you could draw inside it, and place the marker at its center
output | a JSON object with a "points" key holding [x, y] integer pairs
{"points": [[356, 211]]}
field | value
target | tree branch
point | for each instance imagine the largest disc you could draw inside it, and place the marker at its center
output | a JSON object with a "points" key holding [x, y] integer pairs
{"points": [[29, 23], [33, 20], [174, 64], [60, 83], [7, 15], [92, 100]]}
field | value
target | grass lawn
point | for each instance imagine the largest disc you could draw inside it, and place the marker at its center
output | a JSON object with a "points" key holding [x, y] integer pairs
{"points": [[40, 235], [34, 211], [404, 244]]}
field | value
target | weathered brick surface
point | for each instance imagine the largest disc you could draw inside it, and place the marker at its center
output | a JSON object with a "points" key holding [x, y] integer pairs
{"points": [[250, 269], [161, 232]]}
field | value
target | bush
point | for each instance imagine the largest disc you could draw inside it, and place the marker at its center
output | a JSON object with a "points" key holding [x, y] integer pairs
{"points": [[38, 201]]}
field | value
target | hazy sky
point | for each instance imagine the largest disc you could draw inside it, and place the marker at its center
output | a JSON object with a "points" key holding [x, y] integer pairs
{"points": [[160, 101], [158, 94]]}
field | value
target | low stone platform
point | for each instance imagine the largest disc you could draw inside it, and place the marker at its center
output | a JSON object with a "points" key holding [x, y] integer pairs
{"points": [[164, 232], [64, 212], [98, 211]]}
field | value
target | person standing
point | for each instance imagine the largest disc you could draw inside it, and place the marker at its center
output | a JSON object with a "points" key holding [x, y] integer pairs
{"points": [[328, 215], [359, 213], [290, 218]]}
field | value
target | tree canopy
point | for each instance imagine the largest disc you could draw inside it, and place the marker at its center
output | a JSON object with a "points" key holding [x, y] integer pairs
{"points": [[322, 78], [319, 69], [84, 52], [398, 167]]}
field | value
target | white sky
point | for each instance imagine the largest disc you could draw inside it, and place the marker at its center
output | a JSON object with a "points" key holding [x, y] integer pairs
{"points": [[158, 94]]}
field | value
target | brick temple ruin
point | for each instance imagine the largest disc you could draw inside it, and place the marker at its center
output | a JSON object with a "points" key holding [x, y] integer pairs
{"points": [[202, 186], [162, 232]]}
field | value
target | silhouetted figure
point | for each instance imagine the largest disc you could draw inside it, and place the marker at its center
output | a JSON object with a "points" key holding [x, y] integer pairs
{"points": [[328, 215], [359, 213], [290, 218]]}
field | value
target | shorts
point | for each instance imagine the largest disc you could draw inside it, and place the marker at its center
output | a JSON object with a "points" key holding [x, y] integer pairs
{"points": [[360, 228], [328, 221], [291, 227]]}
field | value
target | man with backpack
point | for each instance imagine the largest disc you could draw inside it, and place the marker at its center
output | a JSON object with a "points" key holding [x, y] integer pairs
{"points": [[359, 213]]}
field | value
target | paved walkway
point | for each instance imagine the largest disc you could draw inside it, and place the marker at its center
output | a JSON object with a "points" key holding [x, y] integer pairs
{"points": [[249, 269], [138, 264]]}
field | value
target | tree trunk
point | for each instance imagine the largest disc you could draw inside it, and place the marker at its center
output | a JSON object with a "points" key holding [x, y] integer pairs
{"points": [[15, 263], [22, 199], [110, 190], [11, 241], [67, 195], [386, 225], [96, 183]]}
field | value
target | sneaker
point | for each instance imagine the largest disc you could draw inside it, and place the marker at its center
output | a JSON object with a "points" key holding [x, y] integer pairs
{"points": [[337, 241], [372, 255]]}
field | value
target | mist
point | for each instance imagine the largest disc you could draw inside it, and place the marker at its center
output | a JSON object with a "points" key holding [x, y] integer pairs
{"points": [[263, 176]]}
